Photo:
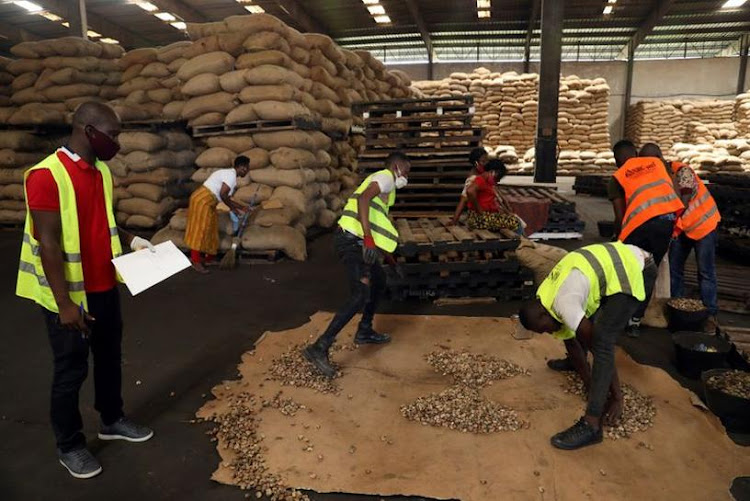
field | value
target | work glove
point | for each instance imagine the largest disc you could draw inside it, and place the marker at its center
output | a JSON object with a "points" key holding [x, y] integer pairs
{"points": [[139, 243], [370, 252]]}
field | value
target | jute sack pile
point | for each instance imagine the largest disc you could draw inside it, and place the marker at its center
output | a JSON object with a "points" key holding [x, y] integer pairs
{"points": [[573, 162], [722, 156], [709, 133], [150, 88], [52, 77], [18, 151], [152, 177], [742, 113], [6, 79]]}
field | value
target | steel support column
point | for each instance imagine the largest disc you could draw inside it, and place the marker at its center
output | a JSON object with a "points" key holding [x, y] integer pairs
{"points": [[545, 169], [628, 86], [744, 49]]}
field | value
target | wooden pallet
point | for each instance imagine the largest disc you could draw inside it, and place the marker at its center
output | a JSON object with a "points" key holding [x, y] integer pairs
{"points": [[427, 118], [592, 184], [152, 125], [414, 141], [731, 280], [378, 108], [255, 127], [431, 238]]}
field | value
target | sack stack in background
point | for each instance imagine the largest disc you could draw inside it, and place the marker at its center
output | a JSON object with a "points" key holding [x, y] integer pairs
{"points": [[52, 77], [709, 133], [150, 88], [725, 156], [18, 151], [506, 107], [6, 79], [152, 177], [250, 73], [742, 113]]}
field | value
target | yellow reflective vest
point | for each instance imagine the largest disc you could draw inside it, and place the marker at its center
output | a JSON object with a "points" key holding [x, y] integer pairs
{"points": [[383, 231], [32, 282], [611, 269]]}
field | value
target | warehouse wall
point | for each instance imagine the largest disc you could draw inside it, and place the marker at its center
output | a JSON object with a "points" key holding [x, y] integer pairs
{"points": [[714, 78]]}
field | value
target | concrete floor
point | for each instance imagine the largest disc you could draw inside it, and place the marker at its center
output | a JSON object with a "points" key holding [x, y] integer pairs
{"points": [[181, 339]]}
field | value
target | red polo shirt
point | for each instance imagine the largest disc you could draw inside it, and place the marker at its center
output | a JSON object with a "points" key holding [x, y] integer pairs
{"points": [[96, 251]]}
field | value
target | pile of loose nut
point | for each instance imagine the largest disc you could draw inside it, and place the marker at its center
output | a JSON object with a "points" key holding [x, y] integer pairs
{"points": [[638, 411], [238, 431], [475, 370], [686, 304], [291, 369], [735, 383], [287, 406], [461, 408]]}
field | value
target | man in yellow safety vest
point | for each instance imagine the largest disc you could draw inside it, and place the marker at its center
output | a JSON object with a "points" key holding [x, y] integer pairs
{"points": [[365, 237], [70, 238], [607, 282]]}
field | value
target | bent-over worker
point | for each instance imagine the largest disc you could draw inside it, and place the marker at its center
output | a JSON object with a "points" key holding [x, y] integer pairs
{"points": [[70, 238], [587, 301], [695, 229], [364, 238], [202, 232], [646, 207]]}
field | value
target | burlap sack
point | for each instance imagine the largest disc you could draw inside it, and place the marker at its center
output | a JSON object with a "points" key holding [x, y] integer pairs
{"points": [[284, 238], [540, 258], [146, 191], [142, 221], [259, 158], [37, 114], [143, 161], [161, 96], [202, 46], [266, 40], [201, 84], [211, 118], [217, 63], [216, 158], [142, 56], [173, 110], [241, 114], [219, 102], [327, 218], [233, 81], [172, 51], [293, 139], [237, 144], [156, 70], [277, 177], [277, 110], [290, 197], [260, 93], [284, 216], [145, 207], [293, 158], [24, 81], [231, 43], [21, 141], [169, 234], [177, 140], [21, 66], [265, 57], [143, 141], [273, 75], [256, 23]]}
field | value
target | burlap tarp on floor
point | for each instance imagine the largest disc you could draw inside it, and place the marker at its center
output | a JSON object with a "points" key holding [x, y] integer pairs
{"points": [[369, 448]]}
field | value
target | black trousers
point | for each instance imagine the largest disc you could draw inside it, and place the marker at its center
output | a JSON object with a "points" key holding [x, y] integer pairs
{"points": [[363, 297], [653, 236], [71, 352], [609, 322]]}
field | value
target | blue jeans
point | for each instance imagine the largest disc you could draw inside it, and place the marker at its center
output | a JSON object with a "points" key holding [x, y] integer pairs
{"points": [[705, 256]]}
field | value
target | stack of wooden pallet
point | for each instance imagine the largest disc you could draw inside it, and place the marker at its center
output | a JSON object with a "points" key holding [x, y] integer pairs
{"points": [[732, 195], [592, 184], [438, 259], [436, 134]]}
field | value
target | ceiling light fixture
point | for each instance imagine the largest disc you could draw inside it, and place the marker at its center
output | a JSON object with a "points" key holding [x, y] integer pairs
{"points": [[376, 10], [729, 4], [254, 9], [109, 40], [484, 14], [165, 16], [382, 19], [93, 34], [483, 4], [607, 10], [147, 6], [370, 2], [29, 6], [50, 16], [180, 25]]}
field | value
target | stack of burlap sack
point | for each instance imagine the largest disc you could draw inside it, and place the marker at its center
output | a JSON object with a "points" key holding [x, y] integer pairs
{"points": [[742, 113], [721, 156], [6, 79], [18, 151], [52, 77], [150, 88], [675, 121], [573, 162], [506, 106], [152, 177], [247, 69]]}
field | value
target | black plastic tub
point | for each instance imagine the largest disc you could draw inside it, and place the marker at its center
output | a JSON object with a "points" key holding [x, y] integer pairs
{"points": [[681, 320], [691, 362], [733, 411], [606, 228]]}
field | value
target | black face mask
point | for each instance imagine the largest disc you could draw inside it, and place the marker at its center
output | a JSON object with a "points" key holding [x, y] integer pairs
{"points": [[104, 146]]}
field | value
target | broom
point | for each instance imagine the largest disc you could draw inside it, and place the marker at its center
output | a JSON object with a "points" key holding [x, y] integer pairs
{"points": [[229, 261]]}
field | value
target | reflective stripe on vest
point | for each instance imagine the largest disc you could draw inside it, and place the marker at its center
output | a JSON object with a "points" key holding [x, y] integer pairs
{"points": [[701, 216], [32, 283], [383, 231], [610, 268], [649, 192]]}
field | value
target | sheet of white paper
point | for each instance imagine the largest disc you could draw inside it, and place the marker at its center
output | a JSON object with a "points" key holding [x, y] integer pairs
{"points": [[144, 269]]}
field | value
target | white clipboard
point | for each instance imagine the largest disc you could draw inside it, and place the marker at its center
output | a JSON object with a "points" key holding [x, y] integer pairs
{"points": [[143, 269]]}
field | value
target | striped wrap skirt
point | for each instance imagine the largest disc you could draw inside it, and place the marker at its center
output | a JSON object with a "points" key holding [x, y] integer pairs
{"points": [[202, 232]]}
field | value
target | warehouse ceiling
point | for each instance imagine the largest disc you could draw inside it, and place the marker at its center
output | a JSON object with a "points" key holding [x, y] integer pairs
{"points": [[398, 31]]}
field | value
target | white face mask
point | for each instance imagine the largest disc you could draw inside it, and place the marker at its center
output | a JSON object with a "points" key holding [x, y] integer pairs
{"points": [[401, 181]]}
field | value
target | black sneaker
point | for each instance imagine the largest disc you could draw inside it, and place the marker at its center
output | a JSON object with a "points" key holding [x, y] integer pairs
{"points": [[579, 435], [319, 358], [124, 429], [561, 365], [370, 336], [80, 463]]}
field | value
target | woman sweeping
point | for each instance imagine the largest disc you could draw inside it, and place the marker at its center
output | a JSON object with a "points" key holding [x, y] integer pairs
{"points": [[202, 232]]}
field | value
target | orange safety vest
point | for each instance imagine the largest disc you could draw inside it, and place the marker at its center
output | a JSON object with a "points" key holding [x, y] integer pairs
{"points": [[701, 216], [649, 192]]}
